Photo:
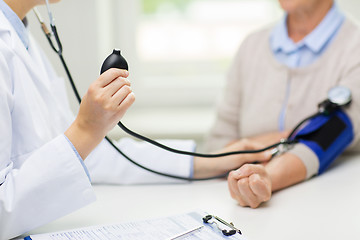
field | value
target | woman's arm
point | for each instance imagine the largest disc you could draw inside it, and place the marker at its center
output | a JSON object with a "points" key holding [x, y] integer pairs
{"points": [[253, 184]]}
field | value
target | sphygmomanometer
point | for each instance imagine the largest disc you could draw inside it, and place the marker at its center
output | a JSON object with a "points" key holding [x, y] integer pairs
{"points": [[330, 132]]}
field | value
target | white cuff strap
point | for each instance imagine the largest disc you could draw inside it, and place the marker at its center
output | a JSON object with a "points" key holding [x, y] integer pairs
{"points": [[308, 157]]}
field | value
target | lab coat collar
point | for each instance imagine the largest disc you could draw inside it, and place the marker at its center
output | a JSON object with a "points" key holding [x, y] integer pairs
{"points": [[18, 25], [12, 39]]}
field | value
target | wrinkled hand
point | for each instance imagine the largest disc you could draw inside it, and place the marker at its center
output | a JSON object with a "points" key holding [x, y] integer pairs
{"points": [[208, 167], [250, 185]]}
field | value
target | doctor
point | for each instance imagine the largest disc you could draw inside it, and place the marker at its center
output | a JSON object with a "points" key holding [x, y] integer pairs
{"points": [[42, 148]]}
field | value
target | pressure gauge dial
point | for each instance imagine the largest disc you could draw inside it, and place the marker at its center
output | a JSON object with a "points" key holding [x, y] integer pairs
{"points": [[339, 95]]}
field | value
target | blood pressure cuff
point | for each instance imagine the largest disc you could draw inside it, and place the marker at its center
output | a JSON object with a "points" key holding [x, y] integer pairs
{"points": [[327, 136]]}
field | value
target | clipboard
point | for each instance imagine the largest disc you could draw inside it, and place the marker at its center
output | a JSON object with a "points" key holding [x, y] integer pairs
{"points": [[193, 225]]}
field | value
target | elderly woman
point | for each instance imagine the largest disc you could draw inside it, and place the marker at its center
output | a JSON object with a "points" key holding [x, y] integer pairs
{"points": [[278, 77]]}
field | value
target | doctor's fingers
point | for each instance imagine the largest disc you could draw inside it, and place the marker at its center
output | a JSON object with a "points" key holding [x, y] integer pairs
{"points": [[110, 75], [114, 86], [120, 95], [256, 157], [246, 144], [125, 105]]}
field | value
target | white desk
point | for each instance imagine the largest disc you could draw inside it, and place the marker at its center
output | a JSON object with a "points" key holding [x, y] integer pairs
{"points": [[326, 207]]}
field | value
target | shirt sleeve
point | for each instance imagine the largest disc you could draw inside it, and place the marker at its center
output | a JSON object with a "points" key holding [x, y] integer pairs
{"points": [[79, 157], [350, 79], [350, 72]]}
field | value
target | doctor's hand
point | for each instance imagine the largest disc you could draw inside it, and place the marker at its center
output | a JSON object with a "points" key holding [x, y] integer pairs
{"points": [[270, 137], [250, 185], [102, 107], [209, 167], [106, 102]]}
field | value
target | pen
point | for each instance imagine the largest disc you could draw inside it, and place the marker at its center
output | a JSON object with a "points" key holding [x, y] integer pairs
{"points": [[185, 233]]}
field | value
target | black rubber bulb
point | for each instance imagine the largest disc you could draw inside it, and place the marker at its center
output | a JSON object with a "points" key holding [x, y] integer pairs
{"points": [[114, 60]]}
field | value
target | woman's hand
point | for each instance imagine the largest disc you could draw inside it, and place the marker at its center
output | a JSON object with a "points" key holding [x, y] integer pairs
{"points": [[208, 167], [250, 185], [102, 107]]}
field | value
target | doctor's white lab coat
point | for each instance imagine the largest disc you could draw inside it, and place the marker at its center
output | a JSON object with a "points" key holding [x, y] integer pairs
{"points": [[41, 177]]}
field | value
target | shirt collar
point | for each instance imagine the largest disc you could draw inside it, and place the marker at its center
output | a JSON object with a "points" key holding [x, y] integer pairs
{"points": [[279, 38], [15, 21], [315, 40]]}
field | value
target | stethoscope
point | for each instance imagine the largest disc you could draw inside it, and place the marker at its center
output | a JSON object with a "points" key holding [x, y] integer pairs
{"points": [[337, 97]]}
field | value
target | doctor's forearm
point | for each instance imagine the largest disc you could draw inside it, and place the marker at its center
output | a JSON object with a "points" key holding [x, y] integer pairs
{"points": [[286, 170], [270, 138], [83, 139], [205, 167]]}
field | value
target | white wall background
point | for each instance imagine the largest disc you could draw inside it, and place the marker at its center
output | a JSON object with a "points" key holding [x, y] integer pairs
{"points": [[168, 105]]}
